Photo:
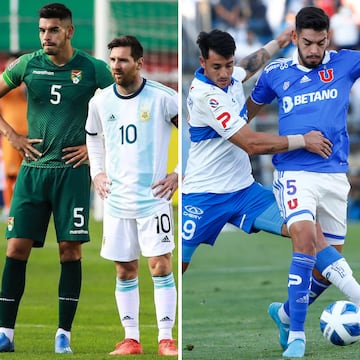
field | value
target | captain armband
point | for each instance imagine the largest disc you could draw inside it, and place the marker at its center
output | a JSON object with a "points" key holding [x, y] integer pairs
{"points": [[296, 142]]}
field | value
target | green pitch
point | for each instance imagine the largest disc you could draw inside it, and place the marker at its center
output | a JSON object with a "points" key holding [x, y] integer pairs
{"points": [[97, 327], [226, 292]]}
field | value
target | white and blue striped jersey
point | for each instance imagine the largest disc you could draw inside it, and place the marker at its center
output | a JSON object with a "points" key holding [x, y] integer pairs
{"points": [[136, 131], [215, 165], [311, 99]]}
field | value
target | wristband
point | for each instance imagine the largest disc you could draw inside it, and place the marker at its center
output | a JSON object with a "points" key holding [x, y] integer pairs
{"points": [[296, 142], [272, 47], [176, 170]]}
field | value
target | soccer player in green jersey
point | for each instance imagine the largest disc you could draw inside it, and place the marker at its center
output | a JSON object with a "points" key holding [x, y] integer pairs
{"points": [[54, 176]]}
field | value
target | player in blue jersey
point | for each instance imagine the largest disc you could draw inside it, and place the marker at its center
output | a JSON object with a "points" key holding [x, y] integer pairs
{"points": [[54, 177], [128, 132], [312, 89], [218, 184]]}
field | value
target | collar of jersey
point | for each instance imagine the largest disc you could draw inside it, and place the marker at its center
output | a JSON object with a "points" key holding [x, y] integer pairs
{"points": [[199, 74], [295, 60], [131, 95]]}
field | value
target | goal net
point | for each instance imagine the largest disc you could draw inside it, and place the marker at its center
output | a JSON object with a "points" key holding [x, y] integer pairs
{"points": [[154, 23]]}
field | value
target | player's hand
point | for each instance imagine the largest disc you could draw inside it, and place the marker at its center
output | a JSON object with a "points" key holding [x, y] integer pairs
{"points": [[76, 155], [166, 187], [102, 185], [285, 37], [316, 142], [24, 145]]}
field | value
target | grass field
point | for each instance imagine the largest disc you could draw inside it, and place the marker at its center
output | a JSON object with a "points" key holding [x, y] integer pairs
{"points": [[97, 326], [226, 292]]}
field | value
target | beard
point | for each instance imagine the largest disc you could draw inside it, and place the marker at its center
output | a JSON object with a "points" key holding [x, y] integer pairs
{"points": [[310, 64]]}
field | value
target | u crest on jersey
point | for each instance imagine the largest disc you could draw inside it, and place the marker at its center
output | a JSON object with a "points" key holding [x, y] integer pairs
{"points": [[326, 75]]}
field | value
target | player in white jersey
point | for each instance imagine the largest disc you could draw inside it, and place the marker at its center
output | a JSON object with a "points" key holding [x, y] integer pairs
{"points": [[218, 185], [312, 90], [128, 129], [220, 139]]}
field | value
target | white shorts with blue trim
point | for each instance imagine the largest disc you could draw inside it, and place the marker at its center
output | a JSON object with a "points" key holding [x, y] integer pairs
{"points": [[320, 197]]}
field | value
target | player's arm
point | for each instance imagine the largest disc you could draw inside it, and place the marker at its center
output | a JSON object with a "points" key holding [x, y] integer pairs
{"points": [[252, 108], [255, 61], [256, 143], [19, 142]]}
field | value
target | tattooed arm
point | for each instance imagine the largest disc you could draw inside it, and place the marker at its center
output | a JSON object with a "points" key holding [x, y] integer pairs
{"points": [[255, 61]]}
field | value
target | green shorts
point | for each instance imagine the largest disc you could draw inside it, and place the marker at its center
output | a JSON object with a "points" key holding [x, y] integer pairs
{"points": [[40, 193]]}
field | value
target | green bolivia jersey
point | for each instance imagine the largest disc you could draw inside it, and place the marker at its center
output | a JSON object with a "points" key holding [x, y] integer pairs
{"points": [[58, 99]]}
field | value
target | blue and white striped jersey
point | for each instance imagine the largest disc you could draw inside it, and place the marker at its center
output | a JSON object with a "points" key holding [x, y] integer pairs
{"points": [[137, 130]]}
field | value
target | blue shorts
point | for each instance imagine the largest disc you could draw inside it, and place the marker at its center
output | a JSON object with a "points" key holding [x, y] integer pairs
{"points": [[205, 214]]}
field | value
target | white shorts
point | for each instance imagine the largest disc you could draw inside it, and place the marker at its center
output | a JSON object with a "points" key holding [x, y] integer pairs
{"points": [[320, 197], [125, 239]]}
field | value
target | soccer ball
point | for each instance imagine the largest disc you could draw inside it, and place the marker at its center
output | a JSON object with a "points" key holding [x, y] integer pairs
{"points": [[340, 323]]}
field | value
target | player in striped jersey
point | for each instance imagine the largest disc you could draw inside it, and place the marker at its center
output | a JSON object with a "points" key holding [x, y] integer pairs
{"points": [[312, 89], [128, 133], [218, 184]]}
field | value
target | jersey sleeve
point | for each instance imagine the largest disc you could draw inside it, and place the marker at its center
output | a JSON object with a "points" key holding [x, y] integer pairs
{"points": [[262, 92], [239, 73], [172, 106], [93, 122], [104, 77], [94, 140], [14, 72]]}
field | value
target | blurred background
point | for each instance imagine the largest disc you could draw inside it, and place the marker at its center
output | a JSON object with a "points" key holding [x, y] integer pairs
{"points": [[253, 23], [97, 22]]}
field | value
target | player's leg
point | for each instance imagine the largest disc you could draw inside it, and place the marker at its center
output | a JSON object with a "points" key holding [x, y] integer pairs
{"points": [[156, 238], [203, 217], [297, 203], [20, 243], [69, 293], [165, 297], [122, 247], [332, 218], [69, 196], [12, 289], [303, 235], [128, 303]]}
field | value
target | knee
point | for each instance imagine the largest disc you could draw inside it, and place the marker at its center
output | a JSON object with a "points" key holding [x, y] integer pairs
{"points": [[69, 251]]}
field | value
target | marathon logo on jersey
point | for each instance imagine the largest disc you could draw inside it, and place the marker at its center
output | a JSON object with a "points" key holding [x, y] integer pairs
{"points": [[213, 103], [193, 212], [288, 102], [76, 76], [43, 72]]}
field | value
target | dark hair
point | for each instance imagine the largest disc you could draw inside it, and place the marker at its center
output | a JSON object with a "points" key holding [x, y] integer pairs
{"points": [[312, 18], [219, 41], [128, 41], [55, 11]]}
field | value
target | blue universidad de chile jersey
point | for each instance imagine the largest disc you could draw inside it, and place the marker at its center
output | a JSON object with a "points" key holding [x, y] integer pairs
{"points": [[311, 99]]}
